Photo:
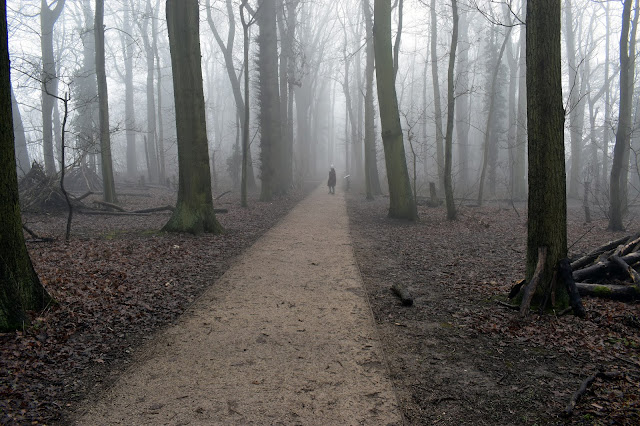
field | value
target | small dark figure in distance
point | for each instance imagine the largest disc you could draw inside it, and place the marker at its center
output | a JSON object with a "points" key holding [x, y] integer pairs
{"points": [[331, 183]]}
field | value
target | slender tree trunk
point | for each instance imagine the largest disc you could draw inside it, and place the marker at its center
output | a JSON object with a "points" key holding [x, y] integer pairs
{"points": [[547, 219], [194, 210], [130, 114], [520, 166], [162, 174], [108, 183], [620, 166], [22, 154], [462, 102], [448, 148], [49, 79], [436, 94], [401, 202], [487, 133], [576, 104], [370, 153], [20, 288]]}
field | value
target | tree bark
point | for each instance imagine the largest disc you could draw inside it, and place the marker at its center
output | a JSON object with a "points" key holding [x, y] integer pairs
{"points": [[130, 115], [547, 224], [620, 168], [448, 148], [270, 120], [402, 205], [22, 154], [49, 80], [436, 95], [372, 179], [20, 288], [194, 210], [463, 103], [108, 182]]}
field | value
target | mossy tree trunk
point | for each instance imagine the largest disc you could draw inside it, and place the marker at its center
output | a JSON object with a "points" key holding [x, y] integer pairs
{"points": [[20, 288], [194, 210], [401, 202], [547, 224]]}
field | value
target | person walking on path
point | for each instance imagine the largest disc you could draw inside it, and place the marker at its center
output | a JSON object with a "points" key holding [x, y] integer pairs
{"points": [[332, 180]]}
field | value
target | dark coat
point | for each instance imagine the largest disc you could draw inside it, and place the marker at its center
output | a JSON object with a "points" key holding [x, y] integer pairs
{"points": [[332, 177]]}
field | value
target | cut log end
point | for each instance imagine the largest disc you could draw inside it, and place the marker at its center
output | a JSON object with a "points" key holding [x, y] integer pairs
{"points": [[404, 295]]}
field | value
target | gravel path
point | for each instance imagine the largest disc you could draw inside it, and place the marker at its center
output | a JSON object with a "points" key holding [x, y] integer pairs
{"points": [[286, 336]]}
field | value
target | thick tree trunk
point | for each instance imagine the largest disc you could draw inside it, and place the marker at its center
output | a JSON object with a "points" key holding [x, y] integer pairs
{"points": [[270, 122], [402, 205], [20, 288], [547, 224], [108, 183], [194, 210]]}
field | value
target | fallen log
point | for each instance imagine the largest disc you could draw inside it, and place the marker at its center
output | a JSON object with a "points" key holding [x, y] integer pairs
{"points": [[107, 213], [635, 277], [627, 248], [404, 295], [609, 291], [530, 289], [110, 205], [602, 267], [584, 386], [564, 270], [593, 255], [155, 209]]}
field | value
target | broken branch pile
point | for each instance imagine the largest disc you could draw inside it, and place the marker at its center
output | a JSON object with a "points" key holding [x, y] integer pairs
{"points": [[611, 270]]}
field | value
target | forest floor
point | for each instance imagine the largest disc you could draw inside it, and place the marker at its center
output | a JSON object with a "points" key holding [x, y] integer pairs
{"points": [[455, 357]]}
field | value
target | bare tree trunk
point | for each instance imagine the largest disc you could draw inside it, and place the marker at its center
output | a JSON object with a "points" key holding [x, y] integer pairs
{"points": [[49, 79], [576, 104], [108, 183], [520, 166], [462, 102], [20, 288], [448, 148], [401, 202], [194, 210], [620, 166], [547, 218], [130, 114], [487, 133], [22, 155], [436, 94], [270, 121], [372, 179]]}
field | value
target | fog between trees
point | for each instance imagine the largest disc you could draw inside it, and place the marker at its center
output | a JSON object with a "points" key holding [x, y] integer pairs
{"points": [[313, 96]]}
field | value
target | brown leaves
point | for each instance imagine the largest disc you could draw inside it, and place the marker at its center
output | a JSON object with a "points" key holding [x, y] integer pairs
{"points": [[116, 282]]}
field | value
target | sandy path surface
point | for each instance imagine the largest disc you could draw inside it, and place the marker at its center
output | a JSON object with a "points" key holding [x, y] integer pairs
{"points": [[285, 337]]}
